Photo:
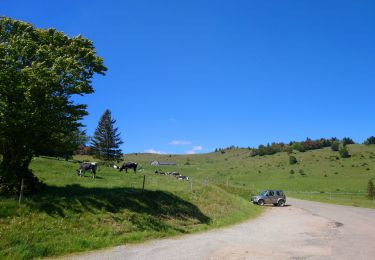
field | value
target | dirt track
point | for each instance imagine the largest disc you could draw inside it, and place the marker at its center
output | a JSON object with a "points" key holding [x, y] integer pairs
{"points": [[303, 230]]}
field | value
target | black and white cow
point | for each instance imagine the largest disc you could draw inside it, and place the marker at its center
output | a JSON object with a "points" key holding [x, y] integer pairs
{"points": [[176, 174], [89, 166], [129, 165], [182, 177]]}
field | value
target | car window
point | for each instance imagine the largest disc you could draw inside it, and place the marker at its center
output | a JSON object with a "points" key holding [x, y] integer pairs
{"points": [[270, 193], [279, 193], [263, 193]]}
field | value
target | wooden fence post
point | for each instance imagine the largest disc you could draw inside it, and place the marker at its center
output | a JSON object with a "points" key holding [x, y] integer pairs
{"points": [[21, 192], [191, 185], [143, 185]]}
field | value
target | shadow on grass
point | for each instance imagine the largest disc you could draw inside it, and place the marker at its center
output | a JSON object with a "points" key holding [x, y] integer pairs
{"points": [[78, 199]]}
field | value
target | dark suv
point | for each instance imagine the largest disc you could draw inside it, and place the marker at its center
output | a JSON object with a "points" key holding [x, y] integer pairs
{"points": [[275, 197]]}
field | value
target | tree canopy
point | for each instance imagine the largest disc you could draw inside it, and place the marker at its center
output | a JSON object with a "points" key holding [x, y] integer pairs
{"points": [[40, 71], [370, 140]]}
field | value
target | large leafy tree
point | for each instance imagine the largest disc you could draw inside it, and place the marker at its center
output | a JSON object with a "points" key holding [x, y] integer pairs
{"points": [[106, 140], [40, 71], [69, 145]]}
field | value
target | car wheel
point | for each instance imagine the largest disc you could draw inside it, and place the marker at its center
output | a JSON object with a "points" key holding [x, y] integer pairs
{"points": [[260, 202], [281, 203]]}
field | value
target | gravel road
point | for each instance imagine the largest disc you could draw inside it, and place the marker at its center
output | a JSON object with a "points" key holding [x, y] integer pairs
{"points": [[301, 230]]}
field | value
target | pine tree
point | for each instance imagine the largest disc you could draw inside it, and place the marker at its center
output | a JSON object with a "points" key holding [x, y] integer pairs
{"points": [[106, 140]]}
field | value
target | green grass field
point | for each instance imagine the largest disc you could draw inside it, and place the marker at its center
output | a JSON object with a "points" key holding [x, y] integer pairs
{"points": [[78, 214], [319, 174]]}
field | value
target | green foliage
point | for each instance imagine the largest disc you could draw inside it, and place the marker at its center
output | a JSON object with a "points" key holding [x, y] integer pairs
{"points": [[292, 160], [347, 140], [41, 69], [298, 146], [370, 140], [106, 140], [68, 146], [303, 146], [370, 189], [344, 152], [335, 146]]}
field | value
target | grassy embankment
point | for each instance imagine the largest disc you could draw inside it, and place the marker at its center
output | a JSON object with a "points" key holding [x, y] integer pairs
{"points": [[78, 214]]}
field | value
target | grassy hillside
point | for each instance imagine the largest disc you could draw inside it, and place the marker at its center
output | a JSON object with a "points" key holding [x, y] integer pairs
{"points": [[77, 214], [319, 174]]}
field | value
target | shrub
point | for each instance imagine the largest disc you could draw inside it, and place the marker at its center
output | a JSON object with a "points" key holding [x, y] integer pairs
{"points": [[292, 160], [291, 172], [288, 149], [335, 146], [370, 189], [344, 152], [302, 172]]}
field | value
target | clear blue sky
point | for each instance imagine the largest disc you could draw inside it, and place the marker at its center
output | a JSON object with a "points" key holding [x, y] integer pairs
{"points": [[195, 75]]}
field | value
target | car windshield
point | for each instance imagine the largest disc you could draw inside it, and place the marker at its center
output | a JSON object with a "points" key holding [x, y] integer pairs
{"points": [[263, 193]]}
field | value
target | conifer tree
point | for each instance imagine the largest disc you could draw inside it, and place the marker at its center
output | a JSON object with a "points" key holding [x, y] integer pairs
{"points": [[106, 140]]}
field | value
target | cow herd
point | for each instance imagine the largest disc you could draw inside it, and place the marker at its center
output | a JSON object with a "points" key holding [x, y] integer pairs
{"points": [[175, 174], [92, 167]]}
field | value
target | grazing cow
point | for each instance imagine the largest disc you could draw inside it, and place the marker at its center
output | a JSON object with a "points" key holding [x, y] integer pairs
{"points": [[129, 165], [160, 172], [87, 167], [182, 177]]}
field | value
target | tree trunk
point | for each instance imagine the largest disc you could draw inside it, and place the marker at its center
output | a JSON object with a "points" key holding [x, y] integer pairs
{"points": [[13, 168]]}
